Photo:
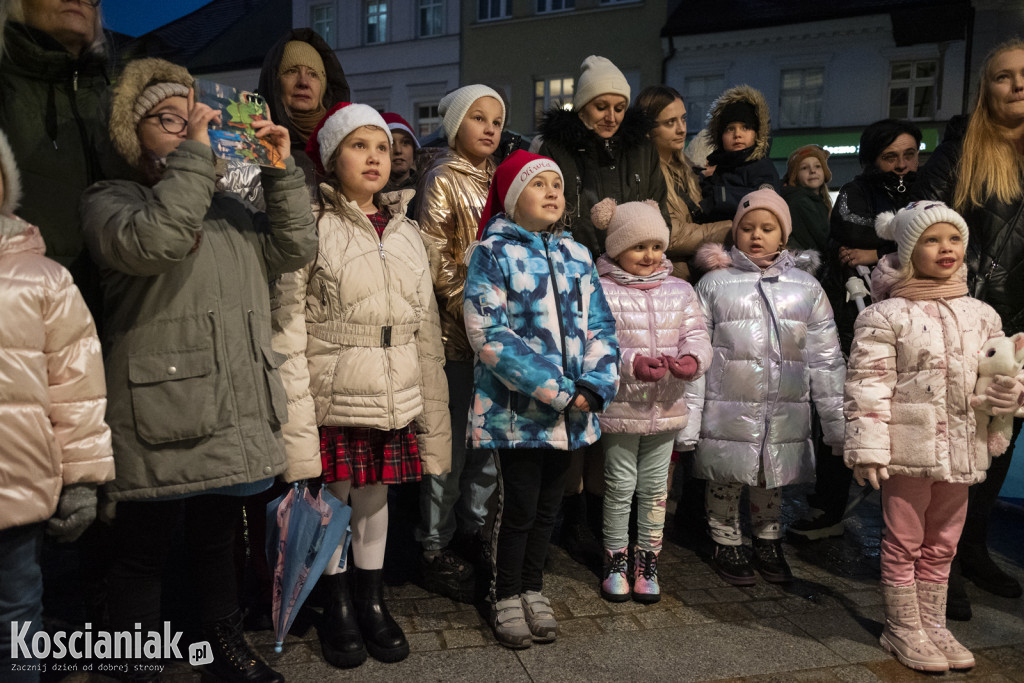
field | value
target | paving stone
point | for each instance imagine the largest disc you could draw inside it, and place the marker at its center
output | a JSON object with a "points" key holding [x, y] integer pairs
{"points": [[465, 619], [868, 597], [694, 615], [729, 611], [854, 674], [437, 606], [428, 622], [729, 594], [698, 597], [767, 608], [577, 628], [463, 637], [586, 607], [618, 622], [424, 642], [404, 607], [662, 618]]}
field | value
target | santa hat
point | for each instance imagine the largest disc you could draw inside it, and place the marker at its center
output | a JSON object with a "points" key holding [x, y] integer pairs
{"points": [[396, 122], [629, 224], [769, 200], [340, 120], [510, 178], [905, 226]]}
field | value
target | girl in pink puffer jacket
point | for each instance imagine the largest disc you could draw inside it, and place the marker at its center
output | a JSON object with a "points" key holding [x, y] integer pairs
{"points": [[664, 344]]}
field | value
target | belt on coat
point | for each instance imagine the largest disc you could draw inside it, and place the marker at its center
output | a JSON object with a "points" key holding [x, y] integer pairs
{"points": [[350, 334]]}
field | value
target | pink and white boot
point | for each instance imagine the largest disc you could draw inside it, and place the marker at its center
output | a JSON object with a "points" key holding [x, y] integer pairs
{"points": [[615, 585], [645, 576]]}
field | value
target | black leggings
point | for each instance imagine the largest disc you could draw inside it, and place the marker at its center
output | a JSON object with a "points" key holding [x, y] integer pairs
{"points": [[144, 532], [531, 483]]}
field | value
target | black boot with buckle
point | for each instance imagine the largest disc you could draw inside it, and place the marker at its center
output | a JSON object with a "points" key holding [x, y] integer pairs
{"points": [[384, 638], [233, 659], [340, 637]]}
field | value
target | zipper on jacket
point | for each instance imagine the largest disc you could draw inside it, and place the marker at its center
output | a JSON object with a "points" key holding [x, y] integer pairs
{"points": [[74, 80], [323, 294], [636, 177], [579, 292], [579, 191], [652, 330], [252, 338], [558, 305], [387, 296]]}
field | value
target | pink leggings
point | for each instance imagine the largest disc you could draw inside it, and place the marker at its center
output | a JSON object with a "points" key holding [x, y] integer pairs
{"points": [[923, 520]]}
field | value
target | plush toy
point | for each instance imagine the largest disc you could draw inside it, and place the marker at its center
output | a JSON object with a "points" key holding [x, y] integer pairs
{"points": [[999, 356]]}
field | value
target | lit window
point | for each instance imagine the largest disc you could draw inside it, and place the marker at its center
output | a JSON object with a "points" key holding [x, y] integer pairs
{"points": [[801, 94], [912, 89], [427, 120], [376, 22], [493, 9], [698, 94], [552, 92], [321, 19], [554, 5], [431, 18]]}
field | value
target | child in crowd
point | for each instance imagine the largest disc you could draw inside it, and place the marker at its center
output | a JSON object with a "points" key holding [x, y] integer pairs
{"points": [[664, 344], [52, 400], [364, 372], [739, 127], [805, 189], [775, 351], [911, 428], [403, 168], [546, 363], [454, 508]]}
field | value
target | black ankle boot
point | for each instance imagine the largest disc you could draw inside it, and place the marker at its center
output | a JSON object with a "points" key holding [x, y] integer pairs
{"points": [[384, 638], [770, 561], [340, 637], [233, 659]]}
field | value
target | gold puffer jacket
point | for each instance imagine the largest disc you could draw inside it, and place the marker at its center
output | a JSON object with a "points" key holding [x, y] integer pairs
{"points": [[452, 193]]}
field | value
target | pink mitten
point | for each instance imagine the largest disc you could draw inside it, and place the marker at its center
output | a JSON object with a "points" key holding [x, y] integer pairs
{"points": [[684, 368], [649, 369]]}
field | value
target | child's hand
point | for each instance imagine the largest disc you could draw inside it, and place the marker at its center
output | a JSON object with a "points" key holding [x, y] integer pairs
{"points": [[872, 474], [276, 135], [199, 118], [684, 368], [1005, 395], [649, 369], [76, 510], [581, 404]]}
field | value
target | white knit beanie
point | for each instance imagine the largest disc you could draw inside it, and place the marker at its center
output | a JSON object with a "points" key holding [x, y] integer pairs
{"points": [[342, 119], [629, 224], [597, 77], [454, 105], [906, 225]]}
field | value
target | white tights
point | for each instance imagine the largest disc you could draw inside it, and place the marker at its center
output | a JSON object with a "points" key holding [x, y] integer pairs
{"points": [[369, 525]]}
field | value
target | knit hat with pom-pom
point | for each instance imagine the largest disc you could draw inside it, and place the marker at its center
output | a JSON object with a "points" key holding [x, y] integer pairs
{"points": [[629, 224], [342, 119], [510, 179], [906, 226]]}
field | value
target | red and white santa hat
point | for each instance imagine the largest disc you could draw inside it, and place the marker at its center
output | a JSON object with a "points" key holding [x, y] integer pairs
{"points": [[510, 179], [337, 123], [396, 122]]}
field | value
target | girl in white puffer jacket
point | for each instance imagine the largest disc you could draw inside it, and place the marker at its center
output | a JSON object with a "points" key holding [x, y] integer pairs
{"points": [[664, 344]]}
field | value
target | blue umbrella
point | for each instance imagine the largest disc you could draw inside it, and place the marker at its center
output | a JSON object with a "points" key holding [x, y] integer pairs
{"points": [[302, 533]]}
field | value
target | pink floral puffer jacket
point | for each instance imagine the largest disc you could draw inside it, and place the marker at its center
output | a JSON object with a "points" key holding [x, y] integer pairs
{"points": [[913, 367], [664, 320]]}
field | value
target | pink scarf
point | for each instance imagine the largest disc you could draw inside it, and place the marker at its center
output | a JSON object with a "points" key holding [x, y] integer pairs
{"points": [[606, 266]]}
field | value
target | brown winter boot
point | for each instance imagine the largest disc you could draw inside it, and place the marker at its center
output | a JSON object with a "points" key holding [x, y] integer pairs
{"points": [[931, 601], [903, 635]]}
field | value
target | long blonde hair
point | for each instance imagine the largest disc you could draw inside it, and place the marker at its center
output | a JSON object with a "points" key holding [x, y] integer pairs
{"points": [[990, 165]]}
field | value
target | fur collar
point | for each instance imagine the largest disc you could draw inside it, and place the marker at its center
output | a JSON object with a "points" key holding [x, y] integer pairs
{"points": [[565, 129], [10, 177], [714, 256], [742, 93]]}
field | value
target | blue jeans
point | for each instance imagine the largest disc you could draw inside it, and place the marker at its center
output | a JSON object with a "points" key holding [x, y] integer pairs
{"points": [[21, 594], [462, 498], [636, 463]]}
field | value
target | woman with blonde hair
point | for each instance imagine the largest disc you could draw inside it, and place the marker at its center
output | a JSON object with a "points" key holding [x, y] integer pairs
{"points": [[665, 108], [979, 170]]}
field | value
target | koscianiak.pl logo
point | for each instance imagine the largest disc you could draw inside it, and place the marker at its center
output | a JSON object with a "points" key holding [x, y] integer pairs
{"points": [[100, 651]]}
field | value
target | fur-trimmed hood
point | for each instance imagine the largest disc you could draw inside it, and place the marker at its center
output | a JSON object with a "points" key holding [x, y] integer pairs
{"points": [[714, 256], [753, 96], [565, 129], [136, 77], [10, 177]]}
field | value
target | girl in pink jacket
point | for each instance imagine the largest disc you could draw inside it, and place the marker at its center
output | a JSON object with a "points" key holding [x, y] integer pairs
{"points": [[664, 344], [910, 425]]}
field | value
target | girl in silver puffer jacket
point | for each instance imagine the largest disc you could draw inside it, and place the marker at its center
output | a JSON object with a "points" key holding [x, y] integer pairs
{"points": [[774, 352]]}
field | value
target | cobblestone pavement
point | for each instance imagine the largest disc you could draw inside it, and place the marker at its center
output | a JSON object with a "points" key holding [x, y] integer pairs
{"points": [[822, 627]]}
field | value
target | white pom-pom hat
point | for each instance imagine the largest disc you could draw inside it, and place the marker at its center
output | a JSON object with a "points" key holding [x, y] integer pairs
{"points": [[629, 224], [906, 225]]}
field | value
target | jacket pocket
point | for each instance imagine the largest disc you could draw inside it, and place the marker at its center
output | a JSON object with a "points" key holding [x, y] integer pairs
{"points": [[276, 395], [173, 394], [912, 435]]}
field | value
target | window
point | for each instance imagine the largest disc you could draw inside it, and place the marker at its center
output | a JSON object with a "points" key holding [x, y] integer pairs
{"points": [[698, 93], [376, 21], [321, 19], [493, 9], [801, 95], [912, 89], [554, 5], [427, 120], [431, 18], [553, 92]]}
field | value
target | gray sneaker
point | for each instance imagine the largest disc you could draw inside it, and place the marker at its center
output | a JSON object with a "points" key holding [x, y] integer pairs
{"points": [[509, 623], [539, 616]]}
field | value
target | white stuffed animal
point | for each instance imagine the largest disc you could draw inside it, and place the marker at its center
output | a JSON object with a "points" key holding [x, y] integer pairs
{"points": [[999, 356]]}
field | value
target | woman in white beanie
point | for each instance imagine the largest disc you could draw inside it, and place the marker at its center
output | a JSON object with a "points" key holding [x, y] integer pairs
{"points": [[452, 193], [912, 420]]}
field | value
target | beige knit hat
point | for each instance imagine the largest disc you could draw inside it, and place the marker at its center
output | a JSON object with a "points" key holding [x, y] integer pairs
{"points": [[628, 224], [906, 225], [301, 53], [454, 105], [597, 77], [143, 84]]}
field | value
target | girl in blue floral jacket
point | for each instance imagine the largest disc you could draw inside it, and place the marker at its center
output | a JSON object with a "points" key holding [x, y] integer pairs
{"points": [[546, 362]]}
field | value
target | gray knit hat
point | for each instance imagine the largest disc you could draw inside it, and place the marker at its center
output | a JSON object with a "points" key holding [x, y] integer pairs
{"points": [[906, 226], [454, 105], [143, 84]]}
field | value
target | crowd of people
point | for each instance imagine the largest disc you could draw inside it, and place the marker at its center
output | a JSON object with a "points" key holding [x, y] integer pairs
{"points": [[525, 334]]}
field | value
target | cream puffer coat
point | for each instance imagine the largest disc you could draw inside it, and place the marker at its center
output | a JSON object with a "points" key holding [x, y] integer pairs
{"points": [[913, 367], [664, 320], [52, 391], [360, 330], [774, 352], [451, 196]]}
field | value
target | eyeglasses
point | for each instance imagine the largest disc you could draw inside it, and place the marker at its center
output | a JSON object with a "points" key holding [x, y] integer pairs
{"points": [[171, 123]]}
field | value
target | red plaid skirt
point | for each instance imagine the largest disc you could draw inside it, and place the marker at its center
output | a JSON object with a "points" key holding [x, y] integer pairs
{"points": [[370, 456]]}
